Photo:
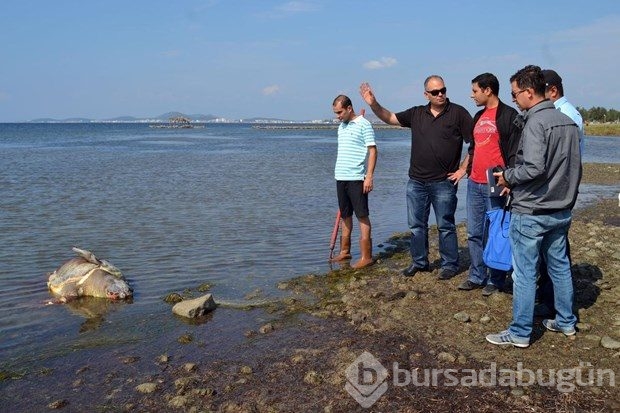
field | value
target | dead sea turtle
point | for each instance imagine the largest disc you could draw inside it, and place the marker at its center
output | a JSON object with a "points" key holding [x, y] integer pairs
{"points": [[87, 275]]}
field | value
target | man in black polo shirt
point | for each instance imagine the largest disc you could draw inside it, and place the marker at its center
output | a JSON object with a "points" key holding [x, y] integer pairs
{"points": [[438, 130]]}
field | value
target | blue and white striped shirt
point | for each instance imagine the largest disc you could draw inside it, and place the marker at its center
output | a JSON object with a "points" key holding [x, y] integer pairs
{"points": [[354, 138]]}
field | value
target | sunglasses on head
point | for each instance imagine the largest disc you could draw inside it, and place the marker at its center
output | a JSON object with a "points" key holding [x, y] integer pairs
{"points": [[436, 92]]}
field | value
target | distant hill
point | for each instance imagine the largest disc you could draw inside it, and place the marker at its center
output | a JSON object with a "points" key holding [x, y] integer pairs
{"points": [[165, 117], [123, 119], [43, 120], [194, 117]]}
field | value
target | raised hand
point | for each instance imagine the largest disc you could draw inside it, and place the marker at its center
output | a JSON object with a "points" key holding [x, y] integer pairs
{"points": [[366, 93]]}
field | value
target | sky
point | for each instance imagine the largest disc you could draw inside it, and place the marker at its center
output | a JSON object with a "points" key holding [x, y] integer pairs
{"points": [[236, 59]]}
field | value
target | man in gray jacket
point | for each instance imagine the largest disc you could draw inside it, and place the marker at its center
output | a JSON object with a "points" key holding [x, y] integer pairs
{"points": [[544, 185]]}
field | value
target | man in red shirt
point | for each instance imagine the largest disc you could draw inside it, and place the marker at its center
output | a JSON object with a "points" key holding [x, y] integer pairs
{"points": [[495, 141]]}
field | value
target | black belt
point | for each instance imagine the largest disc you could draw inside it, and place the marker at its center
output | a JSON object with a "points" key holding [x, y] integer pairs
{"points": [[547, 211]]}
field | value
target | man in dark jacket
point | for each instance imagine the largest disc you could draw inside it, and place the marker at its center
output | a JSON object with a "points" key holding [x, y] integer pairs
{"points": [[494, 143], [544, 184]]}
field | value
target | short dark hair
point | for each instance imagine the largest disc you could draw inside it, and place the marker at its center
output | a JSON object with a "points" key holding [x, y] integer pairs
{"points": [[487, 80], [344, 100], [530, 77]]}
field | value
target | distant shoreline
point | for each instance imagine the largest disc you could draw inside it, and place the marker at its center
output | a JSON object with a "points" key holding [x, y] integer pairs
{"points": [[312, 126], [592, 129]]}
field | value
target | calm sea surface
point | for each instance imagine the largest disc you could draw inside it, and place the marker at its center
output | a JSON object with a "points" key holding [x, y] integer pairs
{"points": [[236, 207]]}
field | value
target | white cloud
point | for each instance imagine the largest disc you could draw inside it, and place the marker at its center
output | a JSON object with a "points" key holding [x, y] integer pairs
{"points": [[271, 90], [381, 63]]}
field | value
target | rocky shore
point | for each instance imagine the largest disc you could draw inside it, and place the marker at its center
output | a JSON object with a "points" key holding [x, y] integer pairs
{"points": [[298, 357]]}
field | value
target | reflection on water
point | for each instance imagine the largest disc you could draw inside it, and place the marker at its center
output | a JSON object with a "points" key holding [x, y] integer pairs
{"points": [[94, 310], [236, 207]]}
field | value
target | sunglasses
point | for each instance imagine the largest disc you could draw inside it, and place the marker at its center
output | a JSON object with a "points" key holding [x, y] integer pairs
{"points": [[437, 91]]}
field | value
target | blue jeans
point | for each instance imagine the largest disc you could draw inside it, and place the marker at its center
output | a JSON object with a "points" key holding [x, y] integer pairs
{"points": [[478, 203], [442, 196], [530, 236]]}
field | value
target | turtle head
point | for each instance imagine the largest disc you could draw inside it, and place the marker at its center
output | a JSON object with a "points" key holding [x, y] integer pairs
{"points": [[118, 289]]}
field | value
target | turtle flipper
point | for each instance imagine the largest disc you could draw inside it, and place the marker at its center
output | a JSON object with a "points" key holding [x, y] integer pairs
{"points": [[108, 267], [87, 255]]}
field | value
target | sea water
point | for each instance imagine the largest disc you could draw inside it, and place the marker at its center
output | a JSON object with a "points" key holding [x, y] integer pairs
{"points": [[232, 206]]}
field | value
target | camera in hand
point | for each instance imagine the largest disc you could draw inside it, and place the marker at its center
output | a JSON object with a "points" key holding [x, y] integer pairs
{"points": [[494, 188]]}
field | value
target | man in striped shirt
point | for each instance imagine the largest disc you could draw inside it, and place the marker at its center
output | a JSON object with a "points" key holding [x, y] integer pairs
{"points": [[355, 165]]}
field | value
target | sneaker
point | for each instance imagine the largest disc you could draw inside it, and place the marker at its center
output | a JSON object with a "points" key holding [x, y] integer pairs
{"points": [[468, 285], [412, 270], [551, 325], [446, 274], [504, 338], [489, 289]]}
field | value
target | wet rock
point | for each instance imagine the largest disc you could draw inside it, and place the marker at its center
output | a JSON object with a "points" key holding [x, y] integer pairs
{"points": [[204, 287], [267, 328], [312, 377], [462, 316], [196, 307], [185, 339], [58, 404], [173, 298], [517, 392], [367, 327], [184, 382], [189, 367], [446, 357], [412, 295], [257, 293], [594, 339], [208, 392], [297, 358], [129, 359], [610, 343], [163, 359], [358, 317], [178, 402], [146, 387], [583, 327]]}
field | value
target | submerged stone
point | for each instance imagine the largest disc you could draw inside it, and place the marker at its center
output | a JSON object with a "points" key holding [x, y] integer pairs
{"points": [[196, 307]]}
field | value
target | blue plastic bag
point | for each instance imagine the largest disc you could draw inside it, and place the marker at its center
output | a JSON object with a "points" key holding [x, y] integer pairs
{"points": [[497, 252]]}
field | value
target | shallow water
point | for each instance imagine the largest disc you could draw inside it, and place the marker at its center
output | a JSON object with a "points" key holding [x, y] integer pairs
{"points": [[236, 207]]}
